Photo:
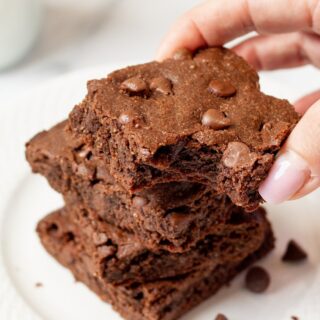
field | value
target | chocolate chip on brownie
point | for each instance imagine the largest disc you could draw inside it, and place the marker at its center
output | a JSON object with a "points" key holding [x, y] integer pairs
{"points": [[134, 85], [238, 155], [221, 316], [294, 252], [222, 88], [130, 117], [161, 85], [215, 119], [257, 279]]}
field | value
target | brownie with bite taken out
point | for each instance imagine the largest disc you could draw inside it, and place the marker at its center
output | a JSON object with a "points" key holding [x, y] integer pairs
{"points": [[198, 117]]}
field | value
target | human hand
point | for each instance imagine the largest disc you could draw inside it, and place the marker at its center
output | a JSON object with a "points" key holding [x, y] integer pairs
{"points": [[289, 36]]}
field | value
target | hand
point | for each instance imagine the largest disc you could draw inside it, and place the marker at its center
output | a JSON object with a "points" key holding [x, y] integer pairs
{"points": [[289, 36]]}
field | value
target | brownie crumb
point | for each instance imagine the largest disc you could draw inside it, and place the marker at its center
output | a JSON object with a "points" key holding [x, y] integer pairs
{"points": [[257, 279], [38, 285], [294, 318], [294, 253], [221, 316]]}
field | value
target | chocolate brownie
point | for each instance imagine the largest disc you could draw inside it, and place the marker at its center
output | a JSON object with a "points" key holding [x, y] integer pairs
{"points": [[200, 118], [172, 215], [165, 299], [117, 256]]}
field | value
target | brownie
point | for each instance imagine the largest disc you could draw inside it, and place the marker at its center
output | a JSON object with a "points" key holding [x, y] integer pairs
{"points": [[117, 256], [165, 299], [199, 117], [172, 215]]}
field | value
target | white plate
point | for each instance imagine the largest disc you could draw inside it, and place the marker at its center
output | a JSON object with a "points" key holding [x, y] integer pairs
{"points": [[25, 198]]}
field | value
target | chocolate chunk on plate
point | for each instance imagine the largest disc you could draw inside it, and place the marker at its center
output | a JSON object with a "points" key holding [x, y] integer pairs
{"points": [[294, 253], [257, 279], [220, 316]]}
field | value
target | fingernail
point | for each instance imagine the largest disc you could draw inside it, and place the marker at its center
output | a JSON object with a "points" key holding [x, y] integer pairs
{"points": [[286, 177]]}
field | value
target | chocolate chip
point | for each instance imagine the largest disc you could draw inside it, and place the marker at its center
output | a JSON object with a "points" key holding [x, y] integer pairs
{"points": [[221, 316], [238, 155], [257, 279], [161, 85], [222, 88], [215, 119], [132, 117], [294, 318], [134, 85], [182, 54], [99, 238], [106, 251], [294, 253], [139, 202]]}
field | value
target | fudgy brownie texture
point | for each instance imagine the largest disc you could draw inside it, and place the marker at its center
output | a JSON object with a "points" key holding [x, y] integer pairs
{"points": [[171, 215], [165, 299], [117, 256], [198, 117]]}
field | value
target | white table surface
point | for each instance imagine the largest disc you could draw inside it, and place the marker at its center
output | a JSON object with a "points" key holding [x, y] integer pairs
{"points": [[78, 34]]}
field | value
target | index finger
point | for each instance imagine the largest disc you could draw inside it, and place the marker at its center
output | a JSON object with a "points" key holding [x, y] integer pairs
{"points": [[216, 22]]}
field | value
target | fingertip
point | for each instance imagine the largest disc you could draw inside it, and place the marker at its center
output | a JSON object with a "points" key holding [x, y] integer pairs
{"points": [[312, 184], [183, 34], [164, 52], [303, 104], [287, 176]]}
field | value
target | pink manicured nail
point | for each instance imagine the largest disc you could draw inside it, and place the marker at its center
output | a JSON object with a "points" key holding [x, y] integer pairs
{"points": [[286, 177]]}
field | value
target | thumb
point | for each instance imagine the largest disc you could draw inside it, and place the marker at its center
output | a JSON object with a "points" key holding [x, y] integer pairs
{"points": [[296, 171]]}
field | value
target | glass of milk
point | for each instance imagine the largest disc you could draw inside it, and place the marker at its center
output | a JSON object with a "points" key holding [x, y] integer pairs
{"points": [[19, 26]]}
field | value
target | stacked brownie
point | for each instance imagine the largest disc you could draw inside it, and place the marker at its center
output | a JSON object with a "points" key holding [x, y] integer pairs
{"points": [[159, 167]]}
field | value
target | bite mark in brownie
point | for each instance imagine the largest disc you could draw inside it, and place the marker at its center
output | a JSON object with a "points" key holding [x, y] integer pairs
{"points": [[171, 135]]}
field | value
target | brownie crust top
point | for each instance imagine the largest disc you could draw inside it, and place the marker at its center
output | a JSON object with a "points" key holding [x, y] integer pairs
{"points": [[212, 97]]}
